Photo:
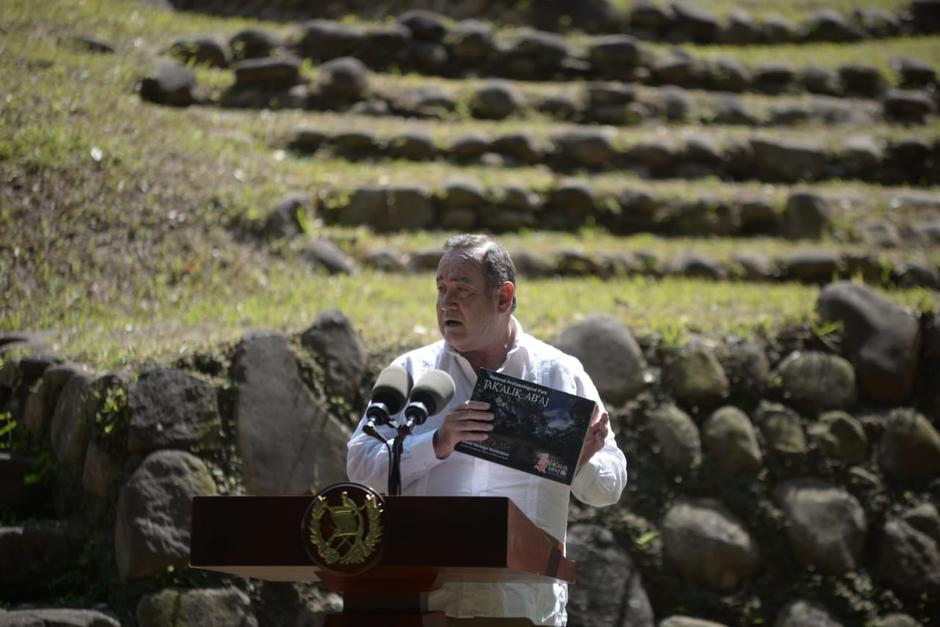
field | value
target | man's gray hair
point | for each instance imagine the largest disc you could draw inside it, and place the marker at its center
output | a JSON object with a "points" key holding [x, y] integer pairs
{"points": [[497, 264]]}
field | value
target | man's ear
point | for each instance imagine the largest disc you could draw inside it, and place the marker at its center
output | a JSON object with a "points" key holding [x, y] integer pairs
{"points": [[507, 291]]}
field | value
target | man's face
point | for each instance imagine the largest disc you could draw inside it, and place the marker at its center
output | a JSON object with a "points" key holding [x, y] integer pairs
{"points": [[467, 313]]}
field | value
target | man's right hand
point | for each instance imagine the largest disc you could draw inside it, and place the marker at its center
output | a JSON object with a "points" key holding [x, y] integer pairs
{"points": [[471, 422]]}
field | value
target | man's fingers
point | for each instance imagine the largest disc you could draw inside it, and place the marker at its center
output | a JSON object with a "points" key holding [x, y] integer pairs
{"points": [[478, 405]]}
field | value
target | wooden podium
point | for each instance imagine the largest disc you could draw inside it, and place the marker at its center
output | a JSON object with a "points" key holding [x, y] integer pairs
{"points": [[427, 541]]}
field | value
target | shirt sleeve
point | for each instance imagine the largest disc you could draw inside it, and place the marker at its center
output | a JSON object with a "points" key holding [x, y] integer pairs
{"points": [[600, 481]]}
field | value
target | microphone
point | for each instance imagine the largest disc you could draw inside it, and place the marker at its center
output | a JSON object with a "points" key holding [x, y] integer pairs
{"points": [[432, 392], [388, 395]]}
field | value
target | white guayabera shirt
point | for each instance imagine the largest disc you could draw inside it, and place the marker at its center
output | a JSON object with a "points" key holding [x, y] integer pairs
{"points": [[545, 502]]}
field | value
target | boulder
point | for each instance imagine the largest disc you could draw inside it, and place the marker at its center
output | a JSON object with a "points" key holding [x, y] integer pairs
{"points": [[288, 217], [253, 43], [709, 545], [915, 74], [809, 266], [611, 592], [322, 40], [830, 25], [694, 23], [805, 216], [213, 607], [496, 100], [322, 254], [57, 617], [34, 553], [469, 147], [536, 55], [154, 513], [568, 205], [560, 105], [821, 80], [94, 44], [610, 355], [862, 80], [775, 29], [909, 449], [740, 29], [413, 145], [74, 416], [170, 84], [908, 107], [288, 443], [841, 437], [816, 381], [730, 110], [209, 51], [826, 525], [802, 613], [389, 208], [424, 25], [41, 402], [172, 409], [687, 621], [267, 73], [908, 559], [650, 17], [695, 265], [788, 161], [781, 429], [878, 23], [677, 439], [696, 376], [925, 519], [773, 78], [101, 470], [383, 46], [471, 43], [752, 266], [655, 157], [463, 192], [589, 16], [335, 344], [730, 75], [895, 620], [880, 339], [614, 56], [745, 363], [589, 148], [343, 80], [731, 442]]}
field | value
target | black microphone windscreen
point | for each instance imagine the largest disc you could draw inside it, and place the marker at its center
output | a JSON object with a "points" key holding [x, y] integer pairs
{"points": [[434, 389], [392, 388]]}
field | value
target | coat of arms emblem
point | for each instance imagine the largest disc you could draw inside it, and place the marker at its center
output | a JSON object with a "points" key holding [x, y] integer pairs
{"points": [[344, 529]]}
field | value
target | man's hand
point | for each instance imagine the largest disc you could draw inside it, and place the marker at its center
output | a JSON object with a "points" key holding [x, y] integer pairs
{"points": [[596, 435], [468, 423]]}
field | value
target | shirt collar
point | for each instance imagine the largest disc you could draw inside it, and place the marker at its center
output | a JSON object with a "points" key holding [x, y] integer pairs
{"points": [[517, 349]]}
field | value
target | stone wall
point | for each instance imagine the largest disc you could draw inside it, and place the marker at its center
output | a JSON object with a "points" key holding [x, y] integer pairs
{"points": [[791, 478]]}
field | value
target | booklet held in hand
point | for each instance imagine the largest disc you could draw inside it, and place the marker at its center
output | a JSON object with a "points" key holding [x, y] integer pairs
{"points": [[535, 429]]}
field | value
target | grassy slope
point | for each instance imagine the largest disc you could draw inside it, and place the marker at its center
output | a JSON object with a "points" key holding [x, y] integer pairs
{"points": [[115, 215]]}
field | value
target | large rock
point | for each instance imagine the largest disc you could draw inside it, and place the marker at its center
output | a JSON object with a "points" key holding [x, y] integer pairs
{"points": [[389, 208], [841, 437], [591, 149], [909, 449], [172, 409], [816, 381], [614, 56], [57, 617], [804, 614], [154, 513], [535, 55], [908, 559], [880, 339], [677, 439], [788, 161], [288, 443], [696, 376], [334, 342], [781, 428], [267, 73], [805, 216], [709, 545], [209, 51], [214, 607], [609, 354], [41, 402], [496, 100], [731, 442], [323, 40], [322, 254], [344, 79], [253, 43], [826, 525], [610, 593], [170, 84], [73, 418]]}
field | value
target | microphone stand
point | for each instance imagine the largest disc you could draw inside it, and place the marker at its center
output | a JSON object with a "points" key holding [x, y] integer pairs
{"points": [[398, 446]]}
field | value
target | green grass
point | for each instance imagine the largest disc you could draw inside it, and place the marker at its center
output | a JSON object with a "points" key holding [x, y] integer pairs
{"points": [[121, 221], [794, 10]]}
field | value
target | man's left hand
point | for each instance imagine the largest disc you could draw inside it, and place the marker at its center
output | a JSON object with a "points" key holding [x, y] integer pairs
{"points": [[596, 435]]}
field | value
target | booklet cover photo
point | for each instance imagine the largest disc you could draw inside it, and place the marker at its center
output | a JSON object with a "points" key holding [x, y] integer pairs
{"points": [[535, 429]]}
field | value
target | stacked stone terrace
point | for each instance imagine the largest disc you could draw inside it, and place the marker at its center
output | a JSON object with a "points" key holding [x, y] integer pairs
{"points": [[791, 479]]}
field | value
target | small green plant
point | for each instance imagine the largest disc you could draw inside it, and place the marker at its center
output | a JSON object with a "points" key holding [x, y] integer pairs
{"points": [[7, 428]]}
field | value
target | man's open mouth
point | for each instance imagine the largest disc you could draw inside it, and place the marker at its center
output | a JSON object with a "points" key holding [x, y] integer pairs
{"points": [[452, 323]]}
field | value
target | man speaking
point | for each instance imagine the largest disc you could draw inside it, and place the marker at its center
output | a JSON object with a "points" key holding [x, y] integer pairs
{"points": [[476, 298]]}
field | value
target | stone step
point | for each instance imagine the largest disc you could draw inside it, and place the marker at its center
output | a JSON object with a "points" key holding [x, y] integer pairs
{"points": [[883, 219], [912, 160]]}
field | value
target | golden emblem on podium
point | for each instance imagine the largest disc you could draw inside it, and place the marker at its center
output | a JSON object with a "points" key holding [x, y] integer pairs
{"points": [[343, 528]]}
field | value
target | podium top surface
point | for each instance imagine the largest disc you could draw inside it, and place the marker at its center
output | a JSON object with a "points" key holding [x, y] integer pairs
{"points": [[428, 539]]}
